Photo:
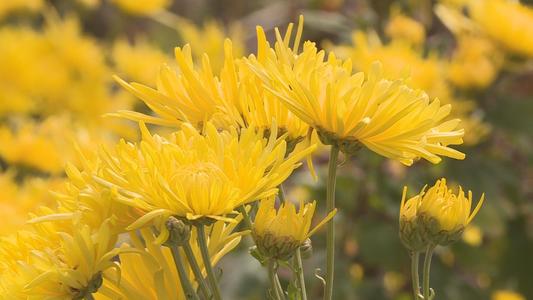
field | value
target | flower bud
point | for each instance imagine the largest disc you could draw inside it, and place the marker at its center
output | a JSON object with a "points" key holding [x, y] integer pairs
{"points": [[279, 232], [179, 232], [435, 217]]}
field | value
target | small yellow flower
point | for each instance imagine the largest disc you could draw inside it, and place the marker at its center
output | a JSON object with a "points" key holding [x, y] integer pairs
{"points": [[435, 216], [142, 7], [405, 28], [139, 61], [510, 23], [279, 232], [506, 295]]}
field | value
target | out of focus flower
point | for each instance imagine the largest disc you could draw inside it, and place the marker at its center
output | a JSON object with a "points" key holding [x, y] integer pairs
{"points": [[18, 200], [197, 175], [506, 295], [279, 232], [79, 83], [475, 62], [10, 6], [473, 235], [436, 216], [209, 40], [142, 7], [139, 61], [350, 110], [510, 23], [404, 28]]}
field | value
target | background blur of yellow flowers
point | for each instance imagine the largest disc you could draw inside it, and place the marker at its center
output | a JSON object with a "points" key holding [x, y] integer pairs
{"points": [[113, 111]]}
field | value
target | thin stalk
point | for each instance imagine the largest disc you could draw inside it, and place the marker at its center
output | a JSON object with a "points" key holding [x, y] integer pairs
{"points": [[89, 296], [184, 279], [415, 258], [202, 243], [274, 281], [196, 270], [300, 274], [281, 194], [330, 205], [245, 217], [427, 266]]}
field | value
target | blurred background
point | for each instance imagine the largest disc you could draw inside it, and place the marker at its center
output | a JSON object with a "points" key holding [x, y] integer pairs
{"points": [[57, 59]]}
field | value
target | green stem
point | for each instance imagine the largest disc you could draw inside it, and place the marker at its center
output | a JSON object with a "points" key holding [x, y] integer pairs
{"points": [[196, 270], [274, 281], [202, 243], [184, 279], [245, 217], [415, 258], [330, 205], [89, 296], [300, 274], [427, 266], [281, 194]]}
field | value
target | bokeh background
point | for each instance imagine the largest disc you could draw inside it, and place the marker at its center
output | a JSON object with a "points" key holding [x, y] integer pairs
{"points": [[57, 59]]}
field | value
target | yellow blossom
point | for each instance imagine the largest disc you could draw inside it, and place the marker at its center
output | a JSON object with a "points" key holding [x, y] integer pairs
{"points": [[143, 7], [510, 23], [209, 40], [435, 216], [405, 28], [279, 232], [235, 97], [154, 275], [61, 262], [197, 175], [139, 61], [351, 109]]}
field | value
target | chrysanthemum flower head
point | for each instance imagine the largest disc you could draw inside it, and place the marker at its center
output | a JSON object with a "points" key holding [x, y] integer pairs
{"points": [[350, 110], [435, 216], [197, 175], [403, 27], [279, 232]]}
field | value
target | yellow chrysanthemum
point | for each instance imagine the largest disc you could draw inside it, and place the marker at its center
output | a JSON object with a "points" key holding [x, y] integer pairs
{"points": [[57, 262], [139, 61], [197, 175], [234, 98], [279, 232], [426, 72], [436, 216], [142, 7], [209, 39], [351, 109], [153, 275], [508, 22], [405, 28]]}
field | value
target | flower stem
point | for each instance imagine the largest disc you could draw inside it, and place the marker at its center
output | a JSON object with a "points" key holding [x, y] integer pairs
{"points": [[330, 205], [184, 279], [300, 274], [202, 243], [427, 266], [245, 217], [89, 296], [196, 270], [415, 258], [281, 194], [274, 281]]}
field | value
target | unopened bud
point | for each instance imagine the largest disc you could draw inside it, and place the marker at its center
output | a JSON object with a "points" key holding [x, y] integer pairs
{"points": [[179, 232]]}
